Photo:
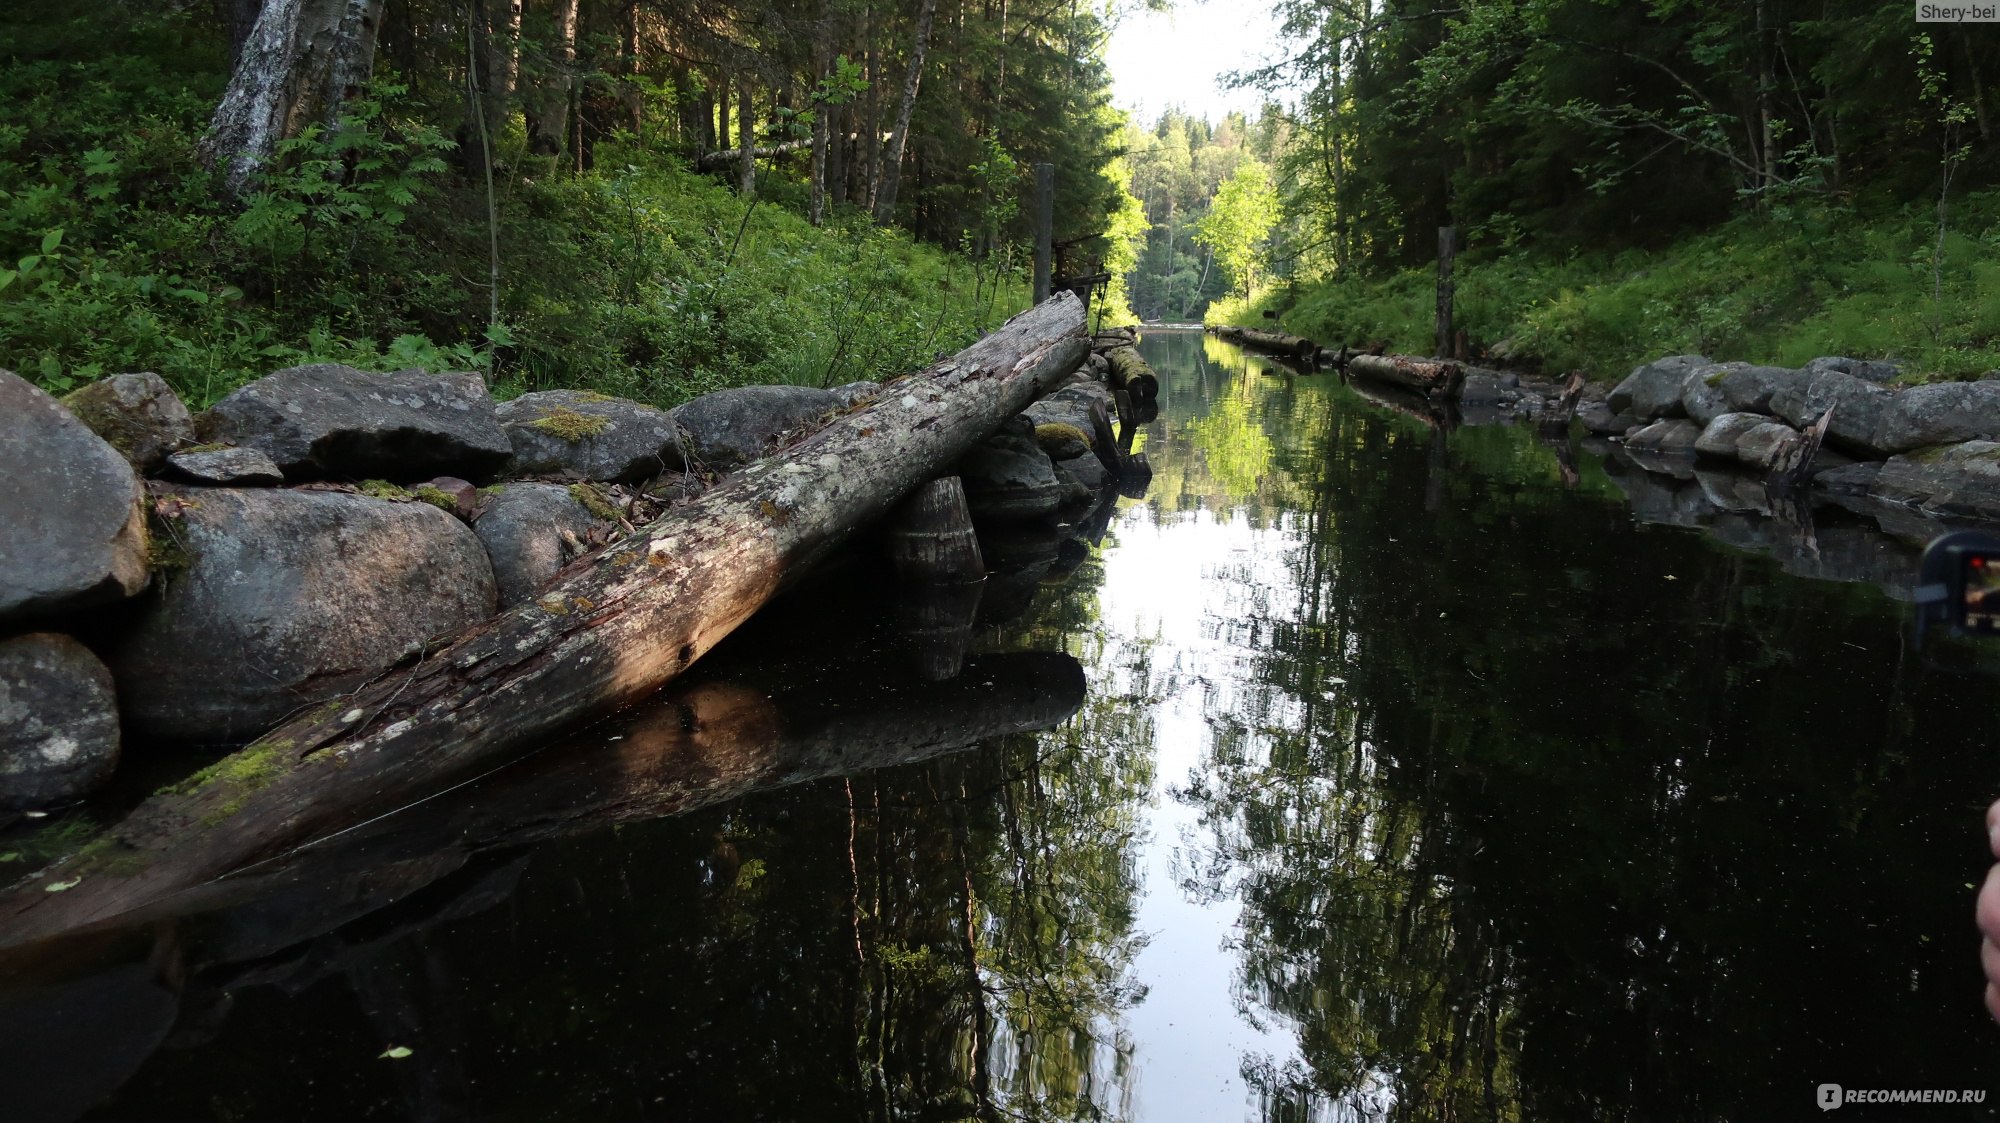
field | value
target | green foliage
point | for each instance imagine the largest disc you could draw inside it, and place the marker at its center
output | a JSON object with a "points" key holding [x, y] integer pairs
{"points": [[1239, 220], [1778, 288]]}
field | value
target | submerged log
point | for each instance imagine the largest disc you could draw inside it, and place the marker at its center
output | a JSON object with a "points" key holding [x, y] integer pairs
{"points": [[612, 628], [1132, 374], [930, 535], [1427, 376]]}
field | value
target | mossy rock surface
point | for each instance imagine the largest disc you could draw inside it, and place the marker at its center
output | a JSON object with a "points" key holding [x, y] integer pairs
{"points": [[583, 435]]}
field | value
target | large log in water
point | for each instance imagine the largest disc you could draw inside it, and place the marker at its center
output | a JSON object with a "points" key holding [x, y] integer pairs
{"points": [[1426, 376], [614, 627], [1276, 342]]}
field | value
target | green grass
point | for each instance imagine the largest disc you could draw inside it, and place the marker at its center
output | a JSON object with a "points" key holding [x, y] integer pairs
{"points": [[1777, 288], [639, 279]]}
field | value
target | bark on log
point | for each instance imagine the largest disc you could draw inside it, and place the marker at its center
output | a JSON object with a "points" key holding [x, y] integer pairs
{"points": [[1438, 379], [612, 628], [1132, 374]]}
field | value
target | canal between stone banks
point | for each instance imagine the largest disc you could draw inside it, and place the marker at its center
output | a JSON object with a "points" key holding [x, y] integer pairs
{"points": [[1412, 778]]}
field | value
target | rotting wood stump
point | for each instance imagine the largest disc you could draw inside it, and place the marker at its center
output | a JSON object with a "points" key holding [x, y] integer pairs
{"points": [[613, 627]]}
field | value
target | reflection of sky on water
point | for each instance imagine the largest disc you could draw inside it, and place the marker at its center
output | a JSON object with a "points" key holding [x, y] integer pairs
{"points": [[1199, 589]]}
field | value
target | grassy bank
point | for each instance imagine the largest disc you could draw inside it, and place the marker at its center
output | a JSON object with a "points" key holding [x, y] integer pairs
{"points": [[638, 278], [1783, 287]]}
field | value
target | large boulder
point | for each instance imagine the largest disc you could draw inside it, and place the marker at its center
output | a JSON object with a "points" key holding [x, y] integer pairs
{"points": [[1860, 409], [71, 512], [730, 428], [283, 598], [1868, 370], [1938, 414], [1750, 389], [1759, 446], [137, 414], [332, 420], [1718, 440], [58, 721], [1701, 396], [1008, 478], [1654, 390], [584, 436], [1674, 437], [522, 530], [1961, 481]]}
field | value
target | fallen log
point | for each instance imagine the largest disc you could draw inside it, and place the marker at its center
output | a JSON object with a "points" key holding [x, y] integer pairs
{"points": [[1276, 342], [728, 156], [1427, 376], [1132, 374], [613, 627]]}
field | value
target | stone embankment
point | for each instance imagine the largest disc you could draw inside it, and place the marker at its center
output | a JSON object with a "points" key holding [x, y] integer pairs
{"points": [[171, 578]]}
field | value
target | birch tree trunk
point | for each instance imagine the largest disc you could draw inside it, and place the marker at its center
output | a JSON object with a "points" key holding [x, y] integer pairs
{"points": [[816, 201], [299, 64], [892, 159]]}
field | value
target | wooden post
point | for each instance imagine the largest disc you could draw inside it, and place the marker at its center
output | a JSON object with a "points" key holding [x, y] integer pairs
{"points": [[1045, 226], [1447, 249]]}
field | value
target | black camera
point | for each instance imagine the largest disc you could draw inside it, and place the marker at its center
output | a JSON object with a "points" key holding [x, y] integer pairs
{"points": [[1958, 584]]}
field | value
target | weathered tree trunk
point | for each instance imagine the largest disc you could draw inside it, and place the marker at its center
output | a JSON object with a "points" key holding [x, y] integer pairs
{"points": [[892, 159], [614, 627], [1274, 342], [503, 67], [746, 153], [1564, 407], [549, 106], [1439, 379], [1132, 374], [300, 62], [1447, 291]]}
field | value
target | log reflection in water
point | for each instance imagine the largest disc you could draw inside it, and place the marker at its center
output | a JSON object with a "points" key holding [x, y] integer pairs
{"points": [[696, 745]]}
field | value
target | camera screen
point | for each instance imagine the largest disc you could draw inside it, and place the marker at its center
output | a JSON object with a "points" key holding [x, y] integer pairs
{"points": [[1980, 580]]}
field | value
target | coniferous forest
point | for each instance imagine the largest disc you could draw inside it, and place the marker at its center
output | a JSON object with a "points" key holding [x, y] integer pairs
{"points": [[651, 199]]}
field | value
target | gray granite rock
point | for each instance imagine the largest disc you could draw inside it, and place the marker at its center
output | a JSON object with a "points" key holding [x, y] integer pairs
{"points": [[1676, 436], [226, 467], [1956, 481], [284, 598], [1860, 409], [1938, 414], [1654, 390], [584, 436], [1760, 445], [1008, 478], [332, 420], [70, 508], [1701, 395], [1718, 440], [1868, 370], [1848, 479], [137, 414], [1087, 471], [1749, 389], [730, 428], [58, 721], [522, 530]]}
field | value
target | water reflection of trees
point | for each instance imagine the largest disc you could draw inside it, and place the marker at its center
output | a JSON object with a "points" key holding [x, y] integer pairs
{"points": [[1531, 815]]}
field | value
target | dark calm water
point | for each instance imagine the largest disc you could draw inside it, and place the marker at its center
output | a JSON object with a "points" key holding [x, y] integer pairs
{"points": [[1404, 782]]}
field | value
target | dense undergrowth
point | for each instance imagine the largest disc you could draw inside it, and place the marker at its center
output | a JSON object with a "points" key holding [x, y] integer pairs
{"points": [[1782, 287], [637, 278]]}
